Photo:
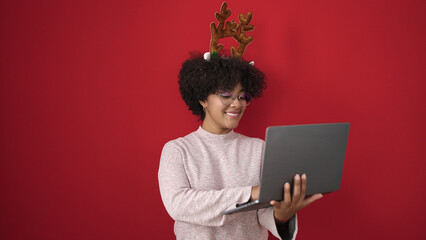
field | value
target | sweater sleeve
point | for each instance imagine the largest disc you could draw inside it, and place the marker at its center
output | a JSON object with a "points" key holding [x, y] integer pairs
{"points": [[196, 206], [266, 219]]}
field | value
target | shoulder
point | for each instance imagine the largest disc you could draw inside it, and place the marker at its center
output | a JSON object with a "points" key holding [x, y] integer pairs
{"points": [[250, 140], [179, 144]]}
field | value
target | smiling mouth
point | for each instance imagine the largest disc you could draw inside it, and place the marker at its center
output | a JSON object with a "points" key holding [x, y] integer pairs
{"points": [[232, 114]]}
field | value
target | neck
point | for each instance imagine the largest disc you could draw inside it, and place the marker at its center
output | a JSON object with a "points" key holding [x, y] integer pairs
{"points": [[214, 130]]}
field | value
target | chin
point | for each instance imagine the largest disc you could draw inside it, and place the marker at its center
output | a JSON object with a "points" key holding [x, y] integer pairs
{"points": [[232, 126]]}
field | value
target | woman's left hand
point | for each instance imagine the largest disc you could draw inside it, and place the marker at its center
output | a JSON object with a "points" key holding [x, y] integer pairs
{"points": [[287, 208]]}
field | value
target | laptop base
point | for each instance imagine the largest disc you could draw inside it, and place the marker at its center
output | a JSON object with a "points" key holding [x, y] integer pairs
{"points": [[247, 207]]}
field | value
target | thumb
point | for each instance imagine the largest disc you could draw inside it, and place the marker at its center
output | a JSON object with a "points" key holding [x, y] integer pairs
{"points": [[312, 199]]}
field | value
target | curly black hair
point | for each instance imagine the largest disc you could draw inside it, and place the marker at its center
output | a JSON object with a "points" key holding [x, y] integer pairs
{"points": [[199, 78]]}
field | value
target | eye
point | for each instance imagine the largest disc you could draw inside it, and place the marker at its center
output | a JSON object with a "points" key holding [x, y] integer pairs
{"points": [[246, 97], [226, 95]]}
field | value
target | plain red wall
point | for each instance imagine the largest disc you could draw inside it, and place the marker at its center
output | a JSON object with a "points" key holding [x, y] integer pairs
{"points": [[89, 95]]}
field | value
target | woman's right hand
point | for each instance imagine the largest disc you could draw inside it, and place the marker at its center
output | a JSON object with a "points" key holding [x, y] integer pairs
{"points": [[254, 193]]}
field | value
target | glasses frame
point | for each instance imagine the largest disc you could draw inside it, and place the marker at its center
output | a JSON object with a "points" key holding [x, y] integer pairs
{"points": [[234, 96]]}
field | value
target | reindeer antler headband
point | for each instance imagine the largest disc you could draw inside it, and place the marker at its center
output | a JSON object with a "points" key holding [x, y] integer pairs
{"points": [[230, 29]]}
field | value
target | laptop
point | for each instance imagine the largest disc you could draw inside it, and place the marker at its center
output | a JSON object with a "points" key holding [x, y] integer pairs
{"points": [[315, 149]]}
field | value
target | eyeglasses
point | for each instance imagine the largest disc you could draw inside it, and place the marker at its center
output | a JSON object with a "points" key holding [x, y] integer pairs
{"points": [[228, 98]]}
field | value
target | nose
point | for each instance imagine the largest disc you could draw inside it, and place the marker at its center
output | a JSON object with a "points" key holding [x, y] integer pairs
{"points": [[236, 102]]}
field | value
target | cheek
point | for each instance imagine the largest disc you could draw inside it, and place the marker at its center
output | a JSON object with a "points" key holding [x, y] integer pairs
{"points": [[215, 106], [220, 109]]}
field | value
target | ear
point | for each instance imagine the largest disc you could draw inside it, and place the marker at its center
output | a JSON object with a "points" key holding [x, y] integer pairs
{"points": [[203, 103]]}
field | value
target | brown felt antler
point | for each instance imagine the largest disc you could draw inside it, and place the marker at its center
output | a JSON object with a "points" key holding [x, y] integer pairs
{"points": [[242, 39], [230, 29]]}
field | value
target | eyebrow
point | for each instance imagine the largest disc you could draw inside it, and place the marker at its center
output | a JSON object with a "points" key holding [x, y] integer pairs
{"points": [[230, 90]]}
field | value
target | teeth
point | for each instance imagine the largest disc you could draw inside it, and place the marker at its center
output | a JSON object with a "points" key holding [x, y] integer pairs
{"points": [[232, 114]]}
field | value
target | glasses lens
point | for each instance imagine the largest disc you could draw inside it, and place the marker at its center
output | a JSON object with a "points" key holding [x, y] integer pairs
{"points": [[245, 99], [227, 98]]}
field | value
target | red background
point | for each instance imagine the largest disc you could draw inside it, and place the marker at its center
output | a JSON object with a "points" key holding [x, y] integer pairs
{"points": [[89, 96]]}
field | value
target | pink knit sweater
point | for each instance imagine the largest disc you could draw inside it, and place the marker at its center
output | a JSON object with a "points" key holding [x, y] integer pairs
{"points": [[203, 174]]}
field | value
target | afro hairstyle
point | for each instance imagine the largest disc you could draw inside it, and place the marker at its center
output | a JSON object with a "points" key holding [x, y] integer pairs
{"points": [[198, 78]]}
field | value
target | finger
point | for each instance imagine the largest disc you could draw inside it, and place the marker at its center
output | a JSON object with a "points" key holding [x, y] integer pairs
{"points": [[296, 189], [287, 195], [275, 203], [303, 187], [312, 199]]}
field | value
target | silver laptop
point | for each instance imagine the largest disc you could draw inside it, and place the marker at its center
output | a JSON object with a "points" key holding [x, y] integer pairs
{"points": [[316, 149]]}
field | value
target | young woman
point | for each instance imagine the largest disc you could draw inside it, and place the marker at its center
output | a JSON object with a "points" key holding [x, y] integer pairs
{"points": [[209, 171]]}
